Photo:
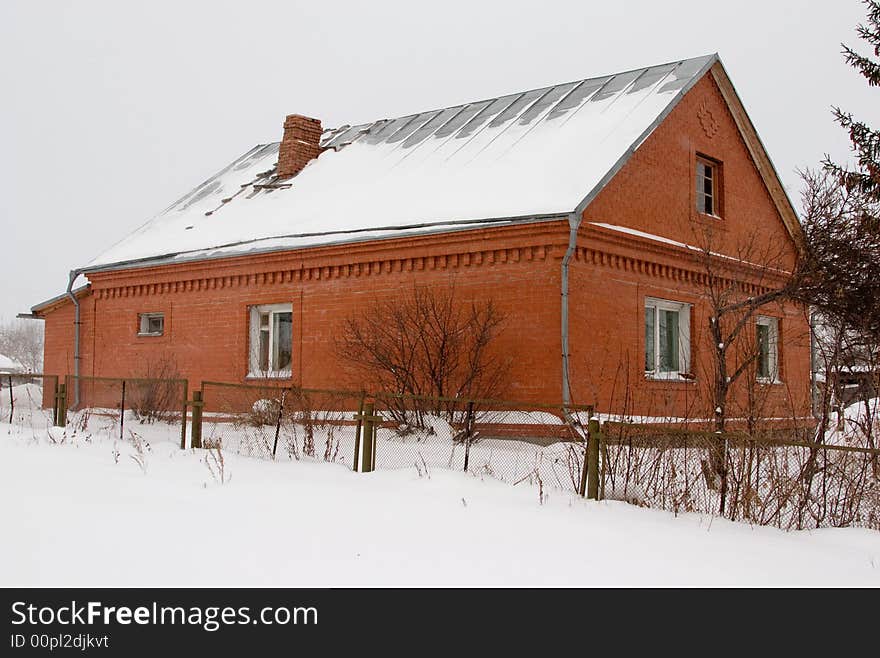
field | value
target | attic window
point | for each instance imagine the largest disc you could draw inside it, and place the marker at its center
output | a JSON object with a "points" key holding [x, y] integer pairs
{"points": [[708, 187], [151, 324]]}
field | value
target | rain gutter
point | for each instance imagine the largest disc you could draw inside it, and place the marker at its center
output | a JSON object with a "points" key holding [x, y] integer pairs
{"points": [[74, 274], [574, 222], [574, 219], [345, 236]]}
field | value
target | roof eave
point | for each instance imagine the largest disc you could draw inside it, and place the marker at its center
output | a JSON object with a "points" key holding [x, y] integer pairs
{"points": [[180, 258], [759, 154], [38, 311]]}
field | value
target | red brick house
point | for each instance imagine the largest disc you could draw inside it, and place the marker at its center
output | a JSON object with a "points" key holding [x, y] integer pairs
{"points": [[578, 208]]}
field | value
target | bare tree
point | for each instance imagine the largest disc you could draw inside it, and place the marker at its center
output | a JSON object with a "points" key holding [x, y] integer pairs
{"points": [[157, 394], [841, 263], [22, 340], [427, 344], [737, 289], [738, 286]]}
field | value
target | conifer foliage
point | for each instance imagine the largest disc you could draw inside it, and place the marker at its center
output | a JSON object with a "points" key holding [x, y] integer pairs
{"points": [[840, 267], [865, 141]]}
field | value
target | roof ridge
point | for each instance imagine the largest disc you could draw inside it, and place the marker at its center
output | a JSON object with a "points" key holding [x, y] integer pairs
{"points": [[349, 126]]}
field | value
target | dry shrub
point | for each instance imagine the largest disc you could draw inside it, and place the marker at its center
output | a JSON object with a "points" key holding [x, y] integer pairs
{"points": [[216, 465], [770, 482], [426, 344], [160, 396]]}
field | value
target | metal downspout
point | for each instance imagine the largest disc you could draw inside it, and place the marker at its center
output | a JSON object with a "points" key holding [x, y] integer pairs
{"points": [[574, 222], [74, 274]]}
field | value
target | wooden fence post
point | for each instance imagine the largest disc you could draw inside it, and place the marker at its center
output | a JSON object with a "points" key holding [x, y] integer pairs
{"points": [[61, 402], [197, 404], [593, 460], [357, 433], [183, 419], [11, 400], [122, 413], [468, 433], [582, 489], [368, 451], [373, 445], [54, 402]]}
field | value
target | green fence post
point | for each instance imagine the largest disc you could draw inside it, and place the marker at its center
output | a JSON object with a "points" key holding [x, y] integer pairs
{"points": [[122, 413], [61, 419], [373, 445], [183, 419], [55, 403], [357, 433], [593, 460], [197, 405], [367, 451], [582, 489]]}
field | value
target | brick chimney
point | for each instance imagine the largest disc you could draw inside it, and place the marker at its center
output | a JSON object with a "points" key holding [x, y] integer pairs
{"points": [[300, 144]]}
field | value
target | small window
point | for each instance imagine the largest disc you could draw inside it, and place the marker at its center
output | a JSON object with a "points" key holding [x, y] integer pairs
{"points": [[767, 358], [667, 339], [708, 186], [271, 340], [151, 324]]}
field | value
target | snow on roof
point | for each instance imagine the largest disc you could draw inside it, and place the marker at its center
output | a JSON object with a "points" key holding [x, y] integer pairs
{"points": [[528, 155], [10, 365], [647, 236]]}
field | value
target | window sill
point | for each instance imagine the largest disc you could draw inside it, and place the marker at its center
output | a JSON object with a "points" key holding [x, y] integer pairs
{"points": [[715, 221], [140, 335], [283, 374], [769, 382], [670, 378]]}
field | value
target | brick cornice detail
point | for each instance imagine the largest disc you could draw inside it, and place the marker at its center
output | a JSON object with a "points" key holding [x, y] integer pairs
{"points": [[656, 269], [365, 268], [659, 261]]}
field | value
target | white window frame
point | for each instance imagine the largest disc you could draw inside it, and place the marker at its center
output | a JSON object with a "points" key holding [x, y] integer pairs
{"points": [[144, 324], [715, 169], [254, 313], [772, 348], [684, 338]]}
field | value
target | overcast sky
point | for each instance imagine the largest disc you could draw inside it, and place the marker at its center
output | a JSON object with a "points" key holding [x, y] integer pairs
{"points": [[112, 110]]}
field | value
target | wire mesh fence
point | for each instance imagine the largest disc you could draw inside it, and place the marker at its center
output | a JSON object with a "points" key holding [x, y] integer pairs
{"points": [[272, 421], [128, 406], [508, 441], [28, 399], [760, 479], [789, 481]]}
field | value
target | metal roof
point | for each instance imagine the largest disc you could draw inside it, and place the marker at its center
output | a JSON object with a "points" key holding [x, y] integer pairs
{"points": [[527, 155]]}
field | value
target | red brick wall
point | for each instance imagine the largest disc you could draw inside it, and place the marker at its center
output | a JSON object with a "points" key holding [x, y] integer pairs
{"points": [[206, 306], [655, 193]]}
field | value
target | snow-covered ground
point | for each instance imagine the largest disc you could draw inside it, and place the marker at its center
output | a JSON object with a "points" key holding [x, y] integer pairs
{"points": [[79, 510], [858, 427]]}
